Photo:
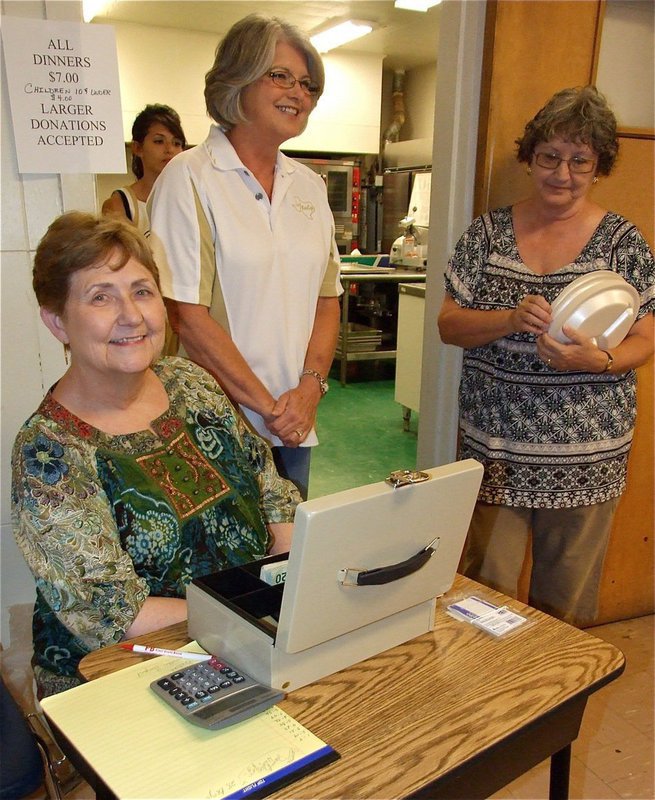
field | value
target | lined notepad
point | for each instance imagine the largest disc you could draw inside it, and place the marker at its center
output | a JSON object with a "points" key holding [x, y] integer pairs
{"points": [[141, 748]]}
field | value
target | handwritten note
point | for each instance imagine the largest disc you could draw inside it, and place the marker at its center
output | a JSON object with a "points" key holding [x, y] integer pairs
{"points": [[142, 748], [65, 96]]}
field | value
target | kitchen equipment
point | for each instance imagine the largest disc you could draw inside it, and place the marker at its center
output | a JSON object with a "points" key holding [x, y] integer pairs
{"points": [[408, 251], [600, 305], [405, 201], [342, 179]]}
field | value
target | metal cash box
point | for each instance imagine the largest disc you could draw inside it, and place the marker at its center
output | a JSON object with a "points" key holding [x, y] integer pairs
{"points": [[322, 620]]}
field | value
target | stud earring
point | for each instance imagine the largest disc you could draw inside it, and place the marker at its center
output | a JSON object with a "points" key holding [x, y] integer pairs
{"points": [[529, 170], [595, 180]]}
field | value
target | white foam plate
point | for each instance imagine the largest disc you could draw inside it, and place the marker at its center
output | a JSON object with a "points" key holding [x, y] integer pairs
{"points": [[600, 305], [563, 305], [599, 277]]}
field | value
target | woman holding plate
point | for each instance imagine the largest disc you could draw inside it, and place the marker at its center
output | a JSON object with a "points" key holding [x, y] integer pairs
{"points": [[547, 408]]}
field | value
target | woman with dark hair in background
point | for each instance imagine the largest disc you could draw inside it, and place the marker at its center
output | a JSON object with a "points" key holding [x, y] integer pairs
{"points": [[244, 239], [552, 422], [157, 137]]}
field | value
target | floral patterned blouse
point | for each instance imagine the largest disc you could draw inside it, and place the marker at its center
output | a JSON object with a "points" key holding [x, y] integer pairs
{"points": [[103, 521], [547, 439]]}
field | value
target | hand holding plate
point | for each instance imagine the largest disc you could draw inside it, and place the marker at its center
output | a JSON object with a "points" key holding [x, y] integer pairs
{"points": [[581, 353]]}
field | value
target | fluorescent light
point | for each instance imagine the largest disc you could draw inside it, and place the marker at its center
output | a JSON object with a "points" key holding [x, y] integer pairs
{"points": [[339, 34], [93, 8], [416, 5]]}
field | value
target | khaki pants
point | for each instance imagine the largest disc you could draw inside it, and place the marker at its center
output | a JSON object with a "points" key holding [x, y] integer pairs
{"points": [[568, 551]]}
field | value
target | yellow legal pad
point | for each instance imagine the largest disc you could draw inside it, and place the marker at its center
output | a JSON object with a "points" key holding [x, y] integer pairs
{"points": [[141, 748]]}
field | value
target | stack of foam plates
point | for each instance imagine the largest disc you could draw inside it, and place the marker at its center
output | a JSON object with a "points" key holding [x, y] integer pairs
{"points": [[600, 305]]}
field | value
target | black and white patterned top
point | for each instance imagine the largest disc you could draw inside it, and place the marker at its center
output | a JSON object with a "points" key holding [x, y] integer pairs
{"points": [[546, 439]]}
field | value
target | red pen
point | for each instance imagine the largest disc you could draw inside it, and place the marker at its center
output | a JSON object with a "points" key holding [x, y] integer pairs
{"points": [[158, 651]]}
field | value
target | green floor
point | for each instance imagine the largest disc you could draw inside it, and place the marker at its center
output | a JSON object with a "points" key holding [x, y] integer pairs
{"points": [[360, 429]]}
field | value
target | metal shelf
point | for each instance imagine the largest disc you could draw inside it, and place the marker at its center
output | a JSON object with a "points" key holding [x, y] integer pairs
{"points": [[343, 353]]}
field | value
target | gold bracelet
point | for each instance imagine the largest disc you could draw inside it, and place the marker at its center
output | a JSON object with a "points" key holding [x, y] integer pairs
{"points": [[610, 361]]}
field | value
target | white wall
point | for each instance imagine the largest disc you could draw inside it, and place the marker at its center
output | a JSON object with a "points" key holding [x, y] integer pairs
{"points": [[414, 145], [163, 65], [625, 61], [420, 86], [347, 117], [32, 360]]}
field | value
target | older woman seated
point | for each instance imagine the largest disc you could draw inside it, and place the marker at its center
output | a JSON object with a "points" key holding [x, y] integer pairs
{"points": [[135, 474]]}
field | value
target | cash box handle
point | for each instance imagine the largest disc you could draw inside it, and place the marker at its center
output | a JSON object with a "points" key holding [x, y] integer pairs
{"points": [[351, 576]]}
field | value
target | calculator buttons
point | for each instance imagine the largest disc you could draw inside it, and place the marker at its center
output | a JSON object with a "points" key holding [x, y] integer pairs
{"points": [[214, 694]]}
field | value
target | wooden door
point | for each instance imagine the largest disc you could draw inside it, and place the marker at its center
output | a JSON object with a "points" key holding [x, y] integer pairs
{"points": [[627, 589]]}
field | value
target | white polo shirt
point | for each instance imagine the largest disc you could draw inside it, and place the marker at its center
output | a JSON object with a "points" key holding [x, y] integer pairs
{"points": [[259, 265]]}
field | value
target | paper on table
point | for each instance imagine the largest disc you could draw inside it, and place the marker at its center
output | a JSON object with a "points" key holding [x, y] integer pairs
{"points": [[142, 748]]}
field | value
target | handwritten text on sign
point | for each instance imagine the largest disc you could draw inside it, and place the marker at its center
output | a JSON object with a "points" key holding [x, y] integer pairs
{"points": [[65, 96]]}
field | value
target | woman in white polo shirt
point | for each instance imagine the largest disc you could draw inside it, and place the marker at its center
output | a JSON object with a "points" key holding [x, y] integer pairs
{"points": [[244, 239]]}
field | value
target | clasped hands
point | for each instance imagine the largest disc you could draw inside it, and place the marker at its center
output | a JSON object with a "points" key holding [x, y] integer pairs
{"points": [[533, 315], [293, 414]]}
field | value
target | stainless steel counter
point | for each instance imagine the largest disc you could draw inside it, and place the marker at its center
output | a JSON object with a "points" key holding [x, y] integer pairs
{"points": [[383, 275]]}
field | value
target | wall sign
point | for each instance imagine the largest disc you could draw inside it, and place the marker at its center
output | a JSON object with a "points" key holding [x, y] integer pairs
{"points": [[64, 95]]}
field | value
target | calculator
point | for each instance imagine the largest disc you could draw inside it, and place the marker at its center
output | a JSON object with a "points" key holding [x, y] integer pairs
{"points": [[214, 694]]}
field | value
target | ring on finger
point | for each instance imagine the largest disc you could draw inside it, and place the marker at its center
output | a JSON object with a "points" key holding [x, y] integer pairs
{"points": [[299, 434]]}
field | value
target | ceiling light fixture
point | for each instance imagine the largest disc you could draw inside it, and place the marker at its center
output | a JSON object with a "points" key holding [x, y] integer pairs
{"points": [[93, 8], [416, 5], [339, 34]]}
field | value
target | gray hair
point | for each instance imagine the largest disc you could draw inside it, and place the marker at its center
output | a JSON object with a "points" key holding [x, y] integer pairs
{"points": [[577, 115], [244, 55]]}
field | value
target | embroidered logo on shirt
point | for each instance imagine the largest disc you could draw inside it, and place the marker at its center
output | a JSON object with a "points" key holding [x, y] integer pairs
{"points": [[188, 479], [305, 207]]}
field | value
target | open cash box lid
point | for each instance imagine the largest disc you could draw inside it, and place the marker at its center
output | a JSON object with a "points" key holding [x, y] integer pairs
{"points": [[411, 535]]}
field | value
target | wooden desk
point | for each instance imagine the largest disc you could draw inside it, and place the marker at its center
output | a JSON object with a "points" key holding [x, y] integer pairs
{"points": [[454, 713]]}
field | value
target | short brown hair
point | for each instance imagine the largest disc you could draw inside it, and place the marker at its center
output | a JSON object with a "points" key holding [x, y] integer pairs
{"points": [[577, 115], [76, 241], [244, 55]]}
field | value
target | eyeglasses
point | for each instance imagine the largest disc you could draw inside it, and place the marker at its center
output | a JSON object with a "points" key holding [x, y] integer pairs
{"points": [[285, 80], [576, 164]]}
